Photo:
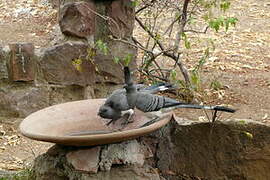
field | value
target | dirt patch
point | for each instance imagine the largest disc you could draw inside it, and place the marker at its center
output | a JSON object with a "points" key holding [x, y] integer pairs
{"points": [[241, 63], [26, 21]]}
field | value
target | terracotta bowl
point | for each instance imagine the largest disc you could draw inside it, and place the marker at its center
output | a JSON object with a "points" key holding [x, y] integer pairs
{"points": [[77, 124]]}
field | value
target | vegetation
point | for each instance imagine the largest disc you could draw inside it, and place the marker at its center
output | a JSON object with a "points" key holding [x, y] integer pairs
{"points": [[26, 174], [171, 40], [169, 26]]}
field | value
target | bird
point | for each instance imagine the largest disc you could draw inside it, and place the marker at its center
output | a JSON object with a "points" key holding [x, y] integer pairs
{"points": [[116, 105], [148, 102], [124, 101]]}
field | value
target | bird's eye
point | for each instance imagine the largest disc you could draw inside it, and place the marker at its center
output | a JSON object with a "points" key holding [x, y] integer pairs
{"points": [[111, 104]]}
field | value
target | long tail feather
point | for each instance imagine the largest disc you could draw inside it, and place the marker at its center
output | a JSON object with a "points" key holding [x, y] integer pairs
{"points": [[194, 106], [128, 79]]}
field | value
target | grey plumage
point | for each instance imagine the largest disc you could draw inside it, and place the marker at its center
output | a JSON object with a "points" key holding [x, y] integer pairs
{"points": [[116, 105], [150, 102], [142, 98], [143, 101]]}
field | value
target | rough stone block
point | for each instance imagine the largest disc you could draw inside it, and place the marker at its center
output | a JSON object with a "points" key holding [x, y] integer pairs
{"points": [[62, 94], [22, 101], [89, 92], [109, 71], [129, 152], [123, 14], [85, 159], [78, 19], [66, 64], [229, 149], [21, 63]]}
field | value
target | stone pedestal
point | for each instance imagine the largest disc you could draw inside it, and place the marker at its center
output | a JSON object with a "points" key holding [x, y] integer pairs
{"points": [[183, 149], [110, 162]]}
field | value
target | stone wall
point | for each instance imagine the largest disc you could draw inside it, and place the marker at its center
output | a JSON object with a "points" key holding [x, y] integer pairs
{"points": [[73, 68]]}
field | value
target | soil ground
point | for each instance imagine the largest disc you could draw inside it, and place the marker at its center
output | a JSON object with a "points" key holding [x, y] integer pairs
{"points": [[241, 63]]}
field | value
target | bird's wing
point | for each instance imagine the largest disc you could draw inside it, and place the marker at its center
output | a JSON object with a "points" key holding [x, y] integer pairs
{"points": [[150, 102], [118, 100]]}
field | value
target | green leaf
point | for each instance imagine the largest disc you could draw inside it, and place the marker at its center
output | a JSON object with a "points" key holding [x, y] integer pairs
{"points": [[248, 134], [195, 79], [135, 3], [157, 37], [216, 85], [232, 20], [173, 75], [127, 59], [191, 20], [242, 122], [102, 47], [227, 24], [214, 24], [77, 64], [225, 5], [187, 43], [91, 52], [116, 60], [221, 21]]}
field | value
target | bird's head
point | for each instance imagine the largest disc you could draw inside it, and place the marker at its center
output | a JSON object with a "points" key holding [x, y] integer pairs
{"points": [[106, 112]]}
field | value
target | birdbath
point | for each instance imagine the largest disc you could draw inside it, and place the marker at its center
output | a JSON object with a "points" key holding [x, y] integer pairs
{"points": [[77, 124]]}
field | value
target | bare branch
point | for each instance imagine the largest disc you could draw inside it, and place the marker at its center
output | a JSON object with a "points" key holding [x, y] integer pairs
{"points": [[150, 33], [181, 26], [146, 6], [199, 32]]}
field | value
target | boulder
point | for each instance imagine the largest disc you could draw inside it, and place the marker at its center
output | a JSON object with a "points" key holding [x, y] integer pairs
{"points": [[109, 71], [78, 19], [85, 159], [123, 14], [129, 152], [22, 64], [62, 94], [22, 100], [67, 64], [224, 150]]}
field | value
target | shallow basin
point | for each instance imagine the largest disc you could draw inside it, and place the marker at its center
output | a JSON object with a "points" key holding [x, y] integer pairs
{"points": [[77, 124]]}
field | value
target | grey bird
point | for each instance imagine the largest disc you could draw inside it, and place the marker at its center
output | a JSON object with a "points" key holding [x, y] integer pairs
{"points": [[147, 102], [116, 105]]}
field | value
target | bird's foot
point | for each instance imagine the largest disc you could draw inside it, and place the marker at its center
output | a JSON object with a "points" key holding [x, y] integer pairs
{"points": [[129, 119], [108, 123]]}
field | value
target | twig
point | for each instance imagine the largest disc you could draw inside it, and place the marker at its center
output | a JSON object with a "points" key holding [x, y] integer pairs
{"points": [[170, 27], [134, 45], [152, 76], [182, 25], [146, 6], [150, 33], [199, 32]]}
